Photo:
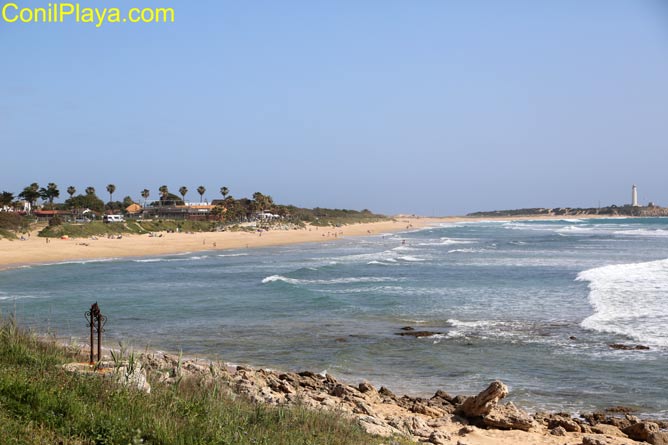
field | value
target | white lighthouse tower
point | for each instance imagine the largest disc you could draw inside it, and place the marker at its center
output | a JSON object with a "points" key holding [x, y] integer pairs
{"points": [[634, 196]]}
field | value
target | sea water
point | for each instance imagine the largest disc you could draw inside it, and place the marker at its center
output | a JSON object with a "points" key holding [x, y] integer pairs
{"points": [[533, 303]]}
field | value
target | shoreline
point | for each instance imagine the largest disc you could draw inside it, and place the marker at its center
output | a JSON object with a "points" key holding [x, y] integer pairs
{"points": [[37, 251]]}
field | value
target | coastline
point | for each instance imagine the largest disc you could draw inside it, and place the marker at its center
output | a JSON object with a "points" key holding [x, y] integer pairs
{"points": [[36, 250]]}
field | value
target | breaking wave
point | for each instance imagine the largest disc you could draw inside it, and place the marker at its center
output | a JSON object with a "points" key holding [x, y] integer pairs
{"points": [[629, 300]]}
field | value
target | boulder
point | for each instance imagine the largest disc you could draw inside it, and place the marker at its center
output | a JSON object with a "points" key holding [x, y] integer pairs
{"points": [[608, 430], [565, 422], [641, 431], [439, 438], [508, 417], [558, 431], [659, 438], [482, 404], [592, 440]]}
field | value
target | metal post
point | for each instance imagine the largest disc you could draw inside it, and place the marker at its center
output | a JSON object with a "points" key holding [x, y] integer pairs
{"points": [[91, 323], [94, 316]]}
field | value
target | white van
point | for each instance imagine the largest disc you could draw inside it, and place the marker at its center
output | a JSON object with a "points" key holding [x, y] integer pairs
{"points": [[113, 218]]}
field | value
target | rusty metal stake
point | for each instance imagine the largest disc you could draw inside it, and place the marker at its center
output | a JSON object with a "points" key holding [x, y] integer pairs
{"points": [[96, 322]]}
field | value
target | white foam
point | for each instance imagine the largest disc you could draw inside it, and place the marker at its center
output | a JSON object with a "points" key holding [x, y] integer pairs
{"points": [[448, 241], [629, 300], [233, 254], [469, 250], [643, 232], [411, 259], [345, 280]]}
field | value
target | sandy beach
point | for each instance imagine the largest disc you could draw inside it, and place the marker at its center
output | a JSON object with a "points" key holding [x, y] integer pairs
{"points": [[36, 250]]}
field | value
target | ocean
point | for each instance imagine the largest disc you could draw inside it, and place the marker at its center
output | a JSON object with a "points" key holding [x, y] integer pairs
{"points": [[535, 304]]}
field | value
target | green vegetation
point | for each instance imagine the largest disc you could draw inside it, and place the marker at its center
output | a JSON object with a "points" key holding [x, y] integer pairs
{"points": [[12, 223], [332, 217], [612, 210], [98, 228], [40, 403]]}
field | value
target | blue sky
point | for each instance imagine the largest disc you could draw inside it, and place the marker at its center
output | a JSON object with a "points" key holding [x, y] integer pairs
{"points": [[429, 107]]}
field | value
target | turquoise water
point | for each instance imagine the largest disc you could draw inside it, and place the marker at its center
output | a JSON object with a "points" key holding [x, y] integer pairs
{"points": [[505, 297]]}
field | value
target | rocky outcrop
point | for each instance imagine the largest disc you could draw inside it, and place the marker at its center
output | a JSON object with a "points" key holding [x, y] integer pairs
{"points": [[442, 419], [641, 431], [623, 347]]}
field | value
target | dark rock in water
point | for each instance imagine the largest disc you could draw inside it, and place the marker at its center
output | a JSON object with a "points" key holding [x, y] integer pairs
{"points": [[572, 337], [341, 340], [418, 333], [628, 347], [407, 328], [620, 409]]}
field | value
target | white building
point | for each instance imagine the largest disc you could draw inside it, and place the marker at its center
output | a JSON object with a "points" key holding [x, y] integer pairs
{"points": [[634, 196]]}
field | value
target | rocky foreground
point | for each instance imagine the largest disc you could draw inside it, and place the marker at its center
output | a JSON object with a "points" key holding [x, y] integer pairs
{"points": [[441, 419]]}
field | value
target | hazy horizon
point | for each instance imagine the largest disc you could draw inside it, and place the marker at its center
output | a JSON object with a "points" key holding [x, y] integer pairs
{"points": [[433, 108]]}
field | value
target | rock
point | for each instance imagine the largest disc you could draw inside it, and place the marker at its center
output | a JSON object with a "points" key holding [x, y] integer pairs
{"points": [[377, 427], [414, 426], [594, 418], [366, 387], [483, 403], [363, 408], [508, 417], [620, 409], [132, 376], [407, 328], [418, 333], [386, 393], [439, 438], [628, 347], [641, 431], [572, 337], [558, 431], [591, 440], [466, 430], [339, 391], [421, 408], [608, 430], [659, 438], [620, 423], [565, 422], [441, 396]]}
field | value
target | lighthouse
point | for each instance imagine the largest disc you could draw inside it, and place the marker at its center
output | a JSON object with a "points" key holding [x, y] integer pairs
{"points": [[634, 196]]}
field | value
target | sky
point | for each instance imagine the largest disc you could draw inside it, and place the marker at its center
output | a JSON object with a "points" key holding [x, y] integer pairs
{"points": [[433, 107]]}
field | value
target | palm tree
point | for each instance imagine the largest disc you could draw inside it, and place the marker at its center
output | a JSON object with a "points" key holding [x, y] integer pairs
{"points": [[49, 193], [201, 190], [224, 191], [145, 194], [71, 191], [183, 191], [164, 193], [111, 188], [90, 190]]}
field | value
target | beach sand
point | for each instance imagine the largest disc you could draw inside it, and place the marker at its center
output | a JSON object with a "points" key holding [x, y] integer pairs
{"points": [[36, 250]]}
